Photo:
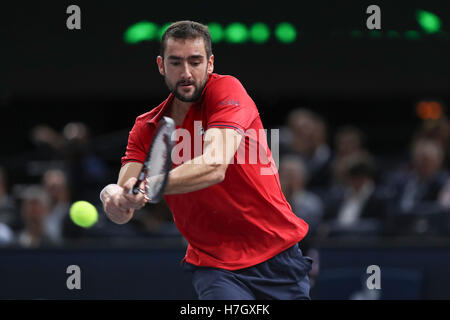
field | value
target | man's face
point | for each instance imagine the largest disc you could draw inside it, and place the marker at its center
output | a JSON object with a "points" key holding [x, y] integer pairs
{"points": [[185, 67]]}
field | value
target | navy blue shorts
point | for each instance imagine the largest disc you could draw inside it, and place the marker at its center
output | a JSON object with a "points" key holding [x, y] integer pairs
{"points": [[283, 277]]}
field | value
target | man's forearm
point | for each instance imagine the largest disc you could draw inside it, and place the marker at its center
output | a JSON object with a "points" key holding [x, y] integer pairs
{"points": [[194, 175]]}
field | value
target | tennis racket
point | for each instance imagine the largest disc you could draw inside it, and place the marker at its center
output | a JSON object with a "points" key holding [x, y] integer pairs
{"points": [[155, 171]]}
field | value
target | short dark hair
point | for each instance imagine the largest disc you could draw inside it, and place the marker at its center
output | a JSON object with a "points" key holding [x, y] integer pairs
{"points": [[187, 30]]}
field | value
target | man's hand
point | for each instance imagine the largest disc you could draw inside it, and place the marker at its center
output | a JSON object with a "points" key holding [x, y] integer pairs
{"points": [[119, 204]]}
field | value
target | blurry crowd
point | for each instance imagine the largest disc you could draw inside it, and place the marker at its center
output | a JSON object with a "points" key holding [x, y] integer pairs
{"points": [[65, 167], [331, 180], [342, 189]]}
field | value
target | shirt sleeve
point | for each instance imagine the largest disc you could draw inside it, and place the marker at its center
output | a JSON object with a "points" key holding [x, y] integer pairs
{"points": [[229, 105], [136, 150]]}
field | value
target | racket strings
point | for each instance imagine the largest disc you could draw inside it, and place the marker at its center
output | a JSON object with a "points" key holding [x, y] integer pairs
{"points": [[158, 160]]}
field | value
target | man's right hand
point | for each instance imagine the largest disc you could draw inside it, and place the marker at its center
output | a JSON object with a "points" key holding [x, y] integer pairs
{"points": [[119, 204]]}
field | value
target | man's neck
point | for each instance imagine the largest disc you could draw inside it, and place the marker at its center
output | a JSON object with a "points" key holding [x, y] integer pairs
{"points": [[177, 104], [178, 110]]}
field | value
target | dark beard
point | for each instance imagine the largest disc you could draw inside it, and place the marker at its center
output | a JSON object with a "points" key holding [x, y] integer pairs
{"points": [[193, 98], [197, 93]]}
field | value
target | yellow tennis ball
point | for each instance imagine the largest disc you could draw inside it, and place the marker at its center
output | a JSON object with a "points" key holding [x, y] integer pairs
{"points": [[83, 214]]}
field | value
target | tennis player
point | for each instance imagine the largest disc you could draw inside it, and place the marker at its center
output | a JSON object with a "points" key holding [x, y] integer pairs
{"points": [[242, 234]]}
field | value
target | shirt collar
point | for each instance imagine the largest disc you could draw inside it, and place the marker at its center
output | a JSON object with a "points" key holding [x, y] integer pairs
{"points": [[159, 111]]}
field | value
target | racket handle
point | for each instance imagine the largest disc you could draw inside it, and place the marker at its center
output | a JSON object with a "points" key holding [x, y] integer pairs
{"points": [[136, 188], [138, 182]]}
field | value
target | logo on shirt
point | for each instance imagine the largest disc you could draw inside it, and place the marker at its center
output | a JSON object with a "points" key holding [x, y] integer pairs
{"points": [[228, 102]]}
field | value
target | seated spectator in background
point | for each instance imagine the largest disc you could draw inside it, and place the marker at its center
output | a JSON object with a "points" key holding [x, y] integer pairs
{"points": [[34, 209], [437, 130], [305, 204], [357, 207], [43, 135], [444, 196], [416, 191], [86, 170], [444, 201], [306, 136], [7, 204], [55, 184], [6, 235], [348, 141]]}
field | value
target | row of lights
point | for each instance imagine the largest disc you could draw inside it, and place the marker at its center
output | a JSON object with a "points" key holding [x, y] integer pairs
{"points": [[284, 32], [429, 23], [394, 34], [235, 32]]}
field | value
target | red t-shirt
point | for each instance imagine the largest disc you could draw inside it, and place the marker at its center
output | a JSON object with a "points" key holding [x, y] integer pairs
{"points": [[245, 219]]}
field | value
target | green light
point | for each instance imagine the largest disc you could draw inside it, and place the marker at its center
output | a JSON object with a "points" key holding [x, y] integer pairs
{"points": [[412, 35], [376, 34], [163, 29], [259, 32], [216, 32], [356, 34], [286, 32], [140, 31], [429, 22], [236, 32], [393, 34]]}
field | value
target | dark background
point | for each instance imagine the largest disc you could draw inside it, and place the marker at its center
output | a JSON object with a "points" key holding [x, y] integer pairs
{"points": [[52, 75], [55, 75]]}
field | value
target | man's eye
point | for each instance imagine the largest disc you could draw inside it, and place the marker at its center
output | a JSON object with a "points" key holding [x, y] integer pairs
{"points": [[175, 63], [195, 64]]}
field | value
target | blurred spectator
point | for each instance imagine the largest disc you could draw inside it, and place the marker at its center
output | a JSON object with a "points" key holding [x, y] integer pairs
{"points": [[7, 203], [86, 170], [305, 204], [348, 141], [426, 179], [55, 184], [416, 191], [306, 136], [43, 135], [357, 207], [437, 130], [6, 235], [34, 210], [444, 196]]}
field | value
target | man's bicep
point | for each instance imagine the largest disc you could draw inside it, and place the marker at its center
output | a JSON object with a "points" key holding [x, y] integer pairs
{"points": [[129, 170], [221, 144]]}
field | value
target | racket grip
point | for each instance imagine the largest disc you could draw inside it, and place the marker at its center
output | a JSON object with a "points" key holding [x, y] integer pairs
{"points": [[135, 189]]}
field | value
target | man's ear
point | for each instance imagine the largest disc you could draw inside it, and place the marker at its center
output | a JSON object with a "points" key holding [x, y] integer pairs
{"points": [[160, 63], [211, 64]]}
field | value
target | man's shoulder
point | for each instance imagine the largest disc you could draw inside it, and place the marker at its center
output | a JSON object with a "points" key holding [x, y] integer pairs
{"points": [[224, 83], [221, 79]]}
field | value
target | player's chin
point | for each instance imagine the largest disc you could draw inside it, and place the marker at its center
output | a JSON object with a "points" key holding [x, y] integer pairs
{"points": [[187, 97]]}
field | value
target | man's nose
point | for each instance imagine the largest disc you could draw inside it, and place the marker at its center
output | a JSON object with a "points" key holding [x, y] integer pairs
{"points": [[186, 73]]}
